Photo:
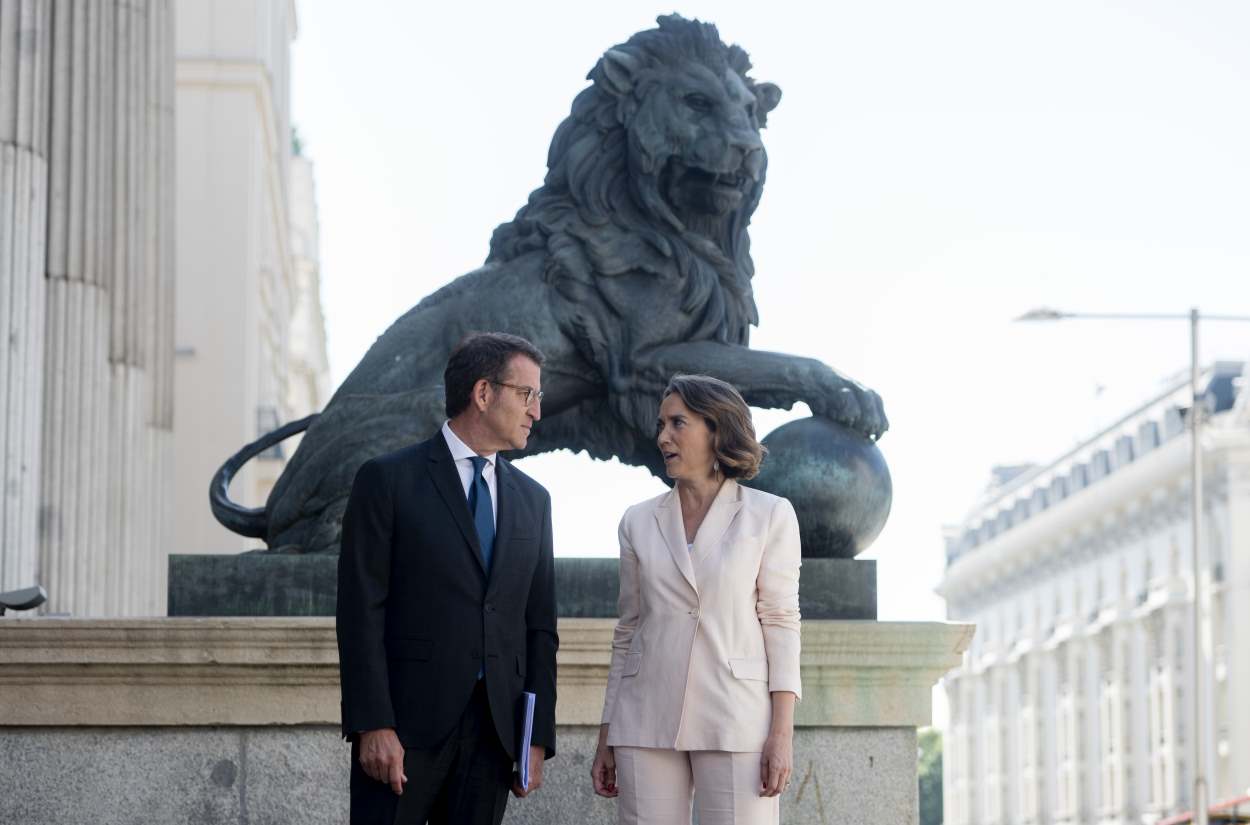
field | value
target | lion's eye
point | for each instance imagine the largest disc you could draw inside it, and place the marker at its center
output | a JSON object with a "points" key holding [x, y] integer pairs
{"points": [[699, 103]]}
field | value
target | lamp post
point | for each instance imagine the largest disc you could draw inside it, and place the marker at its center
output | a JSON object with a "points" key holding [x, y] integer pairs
{"points": [[1200, 803]]}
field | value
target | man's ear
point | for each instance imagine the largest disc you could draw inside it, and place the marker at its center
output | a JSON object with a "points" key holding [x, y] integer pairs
{"points": [[481, 394]]}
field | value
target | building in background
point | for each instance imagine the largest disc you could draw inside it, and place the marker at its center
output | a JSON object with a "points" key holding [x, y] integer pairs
{"points": [[1074, 703], [308, 368], [86, 301], [250, 333], [149, 199]]}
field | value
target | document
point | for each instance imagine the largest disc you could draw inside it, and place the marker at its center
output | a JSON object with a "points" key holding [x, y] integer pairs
{"points": [[527, 734]]}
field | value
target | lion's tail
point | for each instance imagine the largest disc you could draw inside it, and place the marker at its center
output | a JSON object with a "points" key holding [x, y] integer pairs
{"points": [[247, 521]]}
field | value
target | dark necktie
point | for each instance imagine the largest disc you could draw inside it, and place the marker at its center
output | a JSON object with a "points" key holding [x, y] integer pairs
{"points": [[481, 508]]}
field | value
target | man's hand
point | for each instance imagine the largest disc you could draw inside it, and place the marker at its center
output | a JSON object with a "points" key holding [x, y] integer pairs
{"points": [[382, 757], [537, 755]]}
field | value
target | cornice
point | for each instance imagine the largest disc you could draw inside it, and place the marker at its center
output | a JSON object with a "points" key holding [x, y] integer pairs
{"points": [[266, 671], [1077, 525]]}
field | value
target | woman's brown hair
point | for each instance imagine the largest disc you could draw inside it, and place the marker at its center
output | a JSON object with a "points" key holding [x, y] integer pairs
{"points": [[738, 452]]}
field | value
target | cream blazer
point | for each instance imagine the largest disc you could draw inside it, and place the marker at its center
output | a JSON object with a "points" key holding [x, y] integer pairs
{"points": [[705, 634]]}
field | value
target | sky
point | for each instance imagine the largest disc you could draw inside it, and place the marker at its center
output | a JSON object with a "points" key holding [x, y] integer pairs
{"points": [[935, 170]]}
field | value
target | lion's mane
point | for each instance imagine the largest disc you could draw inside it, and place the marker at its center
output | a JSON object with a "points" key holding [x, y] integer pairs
{"points": [[600, 212]]}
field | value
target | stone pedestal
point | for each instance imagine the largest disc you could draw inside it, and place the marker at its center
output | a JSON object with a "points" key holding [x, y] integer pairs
{"points": [[277, 584], [236, 720], [253, 584]]}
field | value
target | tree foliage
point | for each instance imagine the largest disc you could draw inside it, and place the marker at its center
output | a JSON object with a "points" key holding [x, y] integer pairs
{"points": [[930, 772]]}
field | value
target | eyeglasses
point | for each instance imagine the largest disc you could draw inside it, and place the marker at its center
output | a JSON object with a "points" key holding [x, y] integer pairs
{"points": [[531, 394]]}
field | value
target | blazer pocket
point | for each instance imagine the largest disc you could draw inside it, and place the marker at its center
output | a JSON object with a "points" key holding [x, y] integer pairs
{"points": [[753, 669], [418, 650], [633, 661]]}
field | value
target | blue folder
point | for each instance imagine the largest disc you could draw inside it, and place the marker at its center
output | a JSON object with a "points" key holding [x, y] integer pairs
{"points": [[527, 734]]}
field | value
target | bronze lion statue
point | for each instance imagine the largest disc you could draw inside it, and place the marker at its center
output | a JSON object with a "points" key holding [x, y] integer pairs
{"points": [[631, 263]]}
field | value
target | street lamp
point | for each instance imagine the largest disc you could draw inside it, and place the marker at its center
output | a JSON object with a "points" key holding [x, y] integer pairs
{"points": [[1200, 803]]}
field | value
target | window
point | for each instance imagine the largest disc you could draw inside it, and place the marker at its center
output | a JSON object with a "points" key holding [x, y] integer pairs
{"points": [[266, 422]]}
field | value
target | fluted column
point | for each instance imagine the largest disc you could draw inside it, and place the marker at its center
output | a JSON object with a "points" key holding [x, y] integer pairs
{"points": [[108, 403], [25, 52]]}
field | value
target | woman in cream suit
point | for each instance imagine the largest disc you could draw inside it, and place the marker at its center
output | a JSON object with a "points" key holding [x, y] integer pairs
{"points": [[705, 658]]}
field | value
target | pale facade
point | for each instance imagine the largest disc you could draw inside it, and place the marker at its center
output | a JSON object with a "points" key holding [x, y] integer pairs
{"points": [[86, 302], [1073, 705], [308, 368], [250, 333], [113, 155]]}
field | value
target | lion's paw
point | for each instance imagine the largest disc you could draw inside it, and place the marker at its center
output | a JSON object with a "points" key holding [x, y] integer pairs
{"points": [[855, 407]]}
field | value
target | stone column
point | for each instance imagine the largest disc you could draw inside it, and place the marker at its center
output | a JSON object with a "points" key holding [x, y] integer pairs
{"points": [[1048, 703], [1089, 775], [108, 404], [956, 748], [1068, 733], [25, 54], [1137, 725], [979, 748], [1029, 740], [1237, 597]]}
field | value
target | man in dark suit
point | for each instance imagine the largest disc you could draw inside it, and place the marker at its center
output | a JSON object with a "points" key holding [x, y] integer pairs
{"points": [[446, 604]]}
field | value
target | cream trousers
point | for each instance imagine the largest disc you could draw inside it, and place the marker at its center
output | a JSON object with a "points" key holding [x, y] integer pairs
{"points": [[656, 788]]}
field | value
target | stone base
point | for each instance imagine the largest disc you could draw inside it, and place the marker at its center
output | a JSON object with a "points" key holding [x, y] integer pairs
{"points": [[273, 584], [253, 584], [234, 720], [828, 588], [838, 589], [140, 775]]}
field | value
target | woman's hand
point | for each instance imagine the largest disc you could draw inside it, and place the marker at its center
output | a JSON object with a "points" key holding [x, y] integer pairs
{"points": [[776, 763], [777, 758], [603, 769]]}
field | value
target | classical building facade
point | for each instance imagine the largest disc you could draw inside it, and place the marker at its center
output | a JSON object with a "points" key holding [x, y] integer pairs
{"points": [[250, 332], [86, 301], [1074, 704], [149, 200]]}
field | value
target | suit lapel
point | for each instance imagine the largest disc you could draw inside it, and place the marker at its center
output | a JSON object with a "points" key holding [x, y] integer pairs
{"points": [[668, 516], [447, 481], [719, 516]]}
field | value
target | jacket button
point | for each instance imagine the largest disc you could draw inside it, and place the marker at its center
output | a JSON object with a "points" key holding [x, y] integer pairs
{"points": [[490, 608]]}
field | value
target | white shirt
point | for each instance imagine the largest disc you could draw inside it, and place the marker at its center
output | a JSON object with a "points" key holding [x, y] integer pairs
{"points": [[461, 453]]}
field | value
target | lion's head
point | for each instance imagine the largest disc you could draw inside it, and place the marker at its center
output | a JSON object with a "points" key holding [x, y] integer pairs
{"points": [[658, 168]]}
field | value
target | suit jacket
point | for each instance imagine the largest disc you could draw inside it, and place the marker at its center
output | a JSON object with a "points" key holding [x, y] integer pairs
{"points": [[705, 634], [418, 615]]}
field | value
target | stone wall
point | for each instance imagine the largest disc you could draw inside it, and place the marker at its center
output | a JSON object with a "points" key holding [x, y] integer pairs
{"points": [[280, 775], [234, 721]]}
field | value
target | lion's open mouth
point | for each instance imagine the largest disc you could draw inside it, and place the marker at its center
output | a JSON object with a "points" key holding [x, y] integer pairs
{"points": [[693, 175], [692, 189]]}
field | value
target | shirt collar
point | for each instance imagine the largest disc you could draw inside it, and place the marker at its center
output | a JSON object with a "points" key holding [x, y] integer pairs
{"points": [[459, 450]]}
